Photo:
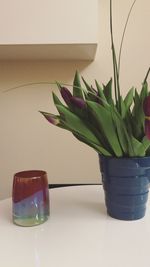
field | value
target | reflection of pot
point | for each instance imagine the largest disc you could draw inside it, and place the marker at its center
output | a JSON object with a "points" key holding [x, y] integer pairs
{"points": [[126, 186]]}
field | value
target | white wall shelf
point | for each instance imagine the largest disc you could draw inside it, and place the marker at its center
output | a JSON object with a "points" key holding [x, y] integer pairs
{"points": [[48, 29]]}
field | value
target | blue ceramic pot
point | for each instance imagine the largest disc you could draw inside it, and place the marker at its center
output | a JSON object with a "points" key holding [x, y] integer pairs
{"points": [[126, 186]]}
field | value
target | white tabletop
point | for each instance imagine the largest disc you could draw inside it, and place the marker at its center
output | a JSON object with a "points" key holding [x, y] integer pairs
{"points": [[78, 234]]}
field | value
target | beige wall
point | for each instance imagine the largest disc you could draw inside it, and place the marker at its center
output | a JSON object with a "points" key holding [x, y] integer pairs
{"points": [[48, 21], [27, 140]]}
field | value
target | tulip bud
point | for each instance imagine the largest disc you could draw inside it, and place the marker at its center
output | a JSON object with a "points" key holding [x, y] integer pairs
{"points": [[78, 102], [53, 119], [147, 128], [66, 95], [146, 106]]}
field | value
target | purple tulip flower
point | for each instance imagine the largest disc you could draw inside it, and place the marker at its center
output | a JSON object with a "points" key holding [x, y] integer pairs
{"points": [[78, 102], [66, 95], [146, 106], [147, 128]]}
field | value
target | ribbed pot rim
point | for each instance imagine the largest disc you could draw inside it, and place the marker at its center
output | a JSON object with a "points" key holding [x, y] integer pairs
{"points": [[123, 158]]}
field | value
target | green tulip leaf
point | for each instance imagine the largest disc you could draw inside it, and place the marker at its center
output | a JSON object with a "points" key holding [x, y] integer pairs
{"points": [[139, 148], [56, 100], [77, 89], [121, 132], [108, 92], [88, 87], [98, 149], [144, 92], [123, 108], [129, 98], [104, 120], [100, 91], [74, 123]]}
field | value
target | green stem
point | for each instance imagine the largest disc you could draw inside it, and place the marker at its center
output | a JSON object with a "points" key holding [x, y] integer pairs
{"points": [[123, 35], [27, 84], [113, 53], [115, 66], [118, 86], [145, 80], [38, 83]]}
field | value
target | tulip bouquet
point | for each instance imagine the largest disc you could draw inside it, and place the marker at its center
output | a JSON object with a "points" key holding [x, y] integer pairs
{"points": [[113, 126]]}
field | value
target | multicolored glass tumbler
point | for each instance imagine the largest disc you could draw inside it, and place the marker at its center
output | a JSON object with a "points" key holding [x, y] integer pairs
{"points": [[30, 198]]}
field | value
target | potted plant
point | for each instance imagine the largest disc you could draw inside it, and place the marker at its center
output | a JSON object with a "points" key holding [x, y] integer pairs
{"points": [[118, 129]]}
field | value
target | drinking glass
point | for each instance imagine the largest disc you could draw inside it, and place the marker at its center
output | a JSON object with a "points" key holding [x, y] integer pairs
{"points": [[30, 198]]}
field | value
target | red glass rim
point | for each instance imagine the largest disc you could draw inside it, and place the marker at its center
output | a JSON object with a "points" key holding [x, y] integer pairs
{"points": [[30, 174]]}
